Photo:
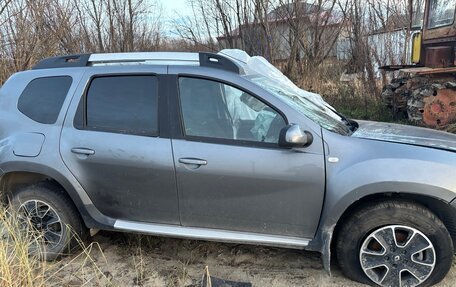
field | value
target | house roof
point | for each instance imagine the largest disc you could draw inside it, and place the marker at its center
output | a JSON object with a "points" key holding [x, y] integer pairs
{"points": [[395, 22], [293, 11]]}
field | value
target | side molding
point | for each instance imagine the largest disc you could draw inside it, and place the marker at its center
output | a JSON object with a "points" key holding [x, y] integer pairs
{"points": [[212, 234]]}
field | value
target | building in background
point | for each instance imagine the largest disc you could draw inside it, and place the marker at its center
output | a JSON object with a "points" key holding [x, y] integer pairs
{"points": [[310, 27], [322, 33]]}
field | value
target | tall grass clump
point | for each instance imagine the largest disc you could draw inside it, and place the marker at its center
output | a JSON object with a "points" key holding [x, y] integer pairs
{"points": [[18, 266], [22, 264]]}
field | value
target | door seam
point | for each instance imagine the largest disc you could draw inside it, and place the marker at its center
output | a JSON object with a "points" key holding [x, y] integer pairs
{"points": [[176, 183]]}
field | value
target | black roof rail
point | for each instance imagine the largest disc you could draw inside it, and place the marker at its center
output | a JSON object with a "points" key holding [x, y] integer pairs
{"points": [[218, 61], [78, 60]]}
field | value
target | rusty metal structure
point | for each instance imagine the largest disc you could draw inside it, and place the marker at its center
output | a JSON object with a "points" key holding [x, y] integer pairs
{"points": [[427, 92]]}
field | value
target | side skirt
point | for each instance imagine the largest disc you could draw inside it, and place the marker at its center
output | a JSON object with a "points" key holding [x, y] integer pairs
{"points": [[212, 234]]}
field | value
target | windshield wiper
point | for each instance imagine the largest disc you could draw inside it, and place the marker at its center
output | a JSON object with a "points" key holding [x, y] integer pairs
{"points": [[352, 125]]}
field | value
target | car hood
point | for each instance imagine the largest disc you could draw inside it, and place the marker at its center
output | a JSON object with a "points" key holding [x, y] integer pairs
{"points": [[406, 135]]}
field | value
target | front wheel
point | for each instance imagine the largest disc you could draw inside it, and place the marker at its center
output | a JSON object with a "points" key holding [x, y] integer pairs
{"points": [[394, 243]]}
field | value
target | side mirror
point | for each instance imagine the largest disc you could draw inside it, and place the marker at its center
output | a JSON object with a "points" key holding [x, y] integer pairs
{"points": [[293, 136]]}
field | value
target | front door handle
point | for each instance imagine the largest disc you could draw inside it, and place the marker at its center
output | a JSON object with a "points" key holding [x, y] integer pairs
{"points": [[194, 161], [83, 151]]}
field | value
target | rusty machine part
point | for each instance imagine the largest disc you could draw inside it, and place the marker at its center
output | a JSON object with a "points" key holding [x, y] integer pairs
{"points": [[427, 96], [439, 57], [440, 110], [424, 100]]}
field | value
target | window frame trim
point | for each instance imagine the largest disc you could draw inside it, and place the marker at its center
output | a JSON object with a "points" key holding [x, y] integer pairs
{"points": [[213, 140], [80, 117]]}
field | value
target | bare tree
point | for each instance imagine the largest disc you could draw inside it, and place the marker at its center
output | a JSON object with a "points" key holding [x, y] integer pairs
{"points": [[34, 29]]}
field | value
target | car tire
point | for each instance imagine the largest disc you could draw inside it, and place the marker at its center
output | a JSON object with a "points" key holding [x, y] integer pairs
{"points": [[387, 234], [56, 217]]}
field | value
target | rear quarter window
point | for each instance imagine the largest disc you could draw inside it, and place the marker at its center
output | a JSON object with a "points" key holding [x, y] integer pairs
{"points": [[42, 98]]}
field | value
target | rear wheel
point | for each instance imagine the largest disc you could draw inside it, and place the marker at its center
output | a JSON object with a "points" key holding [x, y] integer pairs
{"points": [[52, 216], [394, 243]]}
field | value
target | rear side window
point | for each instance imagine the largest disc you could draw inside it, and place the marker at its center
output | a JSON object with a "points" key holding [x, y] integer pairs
{"points": [[123, 104], [43, 98]]}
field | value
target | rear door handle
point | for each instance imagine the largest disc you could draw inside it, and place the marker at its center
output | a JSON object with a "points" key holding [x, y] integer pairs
{"points": [[194, 161], [83, 151]]}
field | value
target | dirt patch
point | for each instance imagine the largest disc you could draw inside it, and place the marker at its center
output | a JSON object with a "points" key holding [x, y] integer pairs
{"points": [[134, 260]]}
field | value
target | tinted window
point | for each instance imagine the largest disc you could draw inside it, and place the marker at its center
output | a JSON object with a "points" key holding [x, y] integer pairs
{"points": [[124, 104], [216, 110], [43, 98]]}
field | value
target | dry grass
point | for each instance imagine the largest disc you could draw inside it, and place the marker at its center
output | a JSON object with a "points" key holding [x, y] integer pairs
{"points": [[17, 267], [20, 266], [350, 97]]}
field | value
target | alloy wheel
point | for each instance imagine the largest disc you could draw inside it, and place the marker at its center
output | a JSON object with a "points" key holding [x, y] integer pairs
{"points": [[397, 255], [43, 219]]}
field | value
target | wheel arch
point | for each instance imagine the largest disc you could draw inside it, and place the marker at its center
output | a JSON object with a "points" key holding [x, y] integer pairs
{"points": [[441, 208], [18, 175]]}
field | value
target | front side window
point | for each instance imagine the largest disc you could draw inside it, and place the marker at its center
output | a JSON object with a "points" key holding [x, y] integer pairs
{"points": [[123, 104], [441, 13], [43, 98], [215, 110]]}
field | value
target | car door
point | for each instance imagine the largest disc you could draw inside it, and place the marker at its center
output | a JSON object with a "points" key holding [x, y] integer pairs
{"points": [[111, 143], [231, 173]]}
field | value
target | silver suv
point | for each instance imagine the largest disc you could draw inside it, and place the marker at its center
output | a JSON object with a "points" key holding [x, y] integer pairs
{"points": [[223, 147]]}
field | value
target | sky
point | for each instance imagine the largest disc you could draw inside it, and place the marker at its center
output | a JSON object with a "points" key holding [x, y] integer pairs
{"points": [[172, 11], [170, 7]]}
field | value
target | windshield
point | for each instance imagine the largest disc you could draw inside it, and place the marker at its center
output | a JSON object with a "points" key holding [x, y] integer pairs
{"points": [[441, 13], [262, 73]]}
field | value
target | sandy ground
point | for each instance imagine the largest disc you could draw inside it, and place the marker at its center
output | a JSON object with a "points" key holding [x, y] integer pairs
{"points": [[118, 259]]}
